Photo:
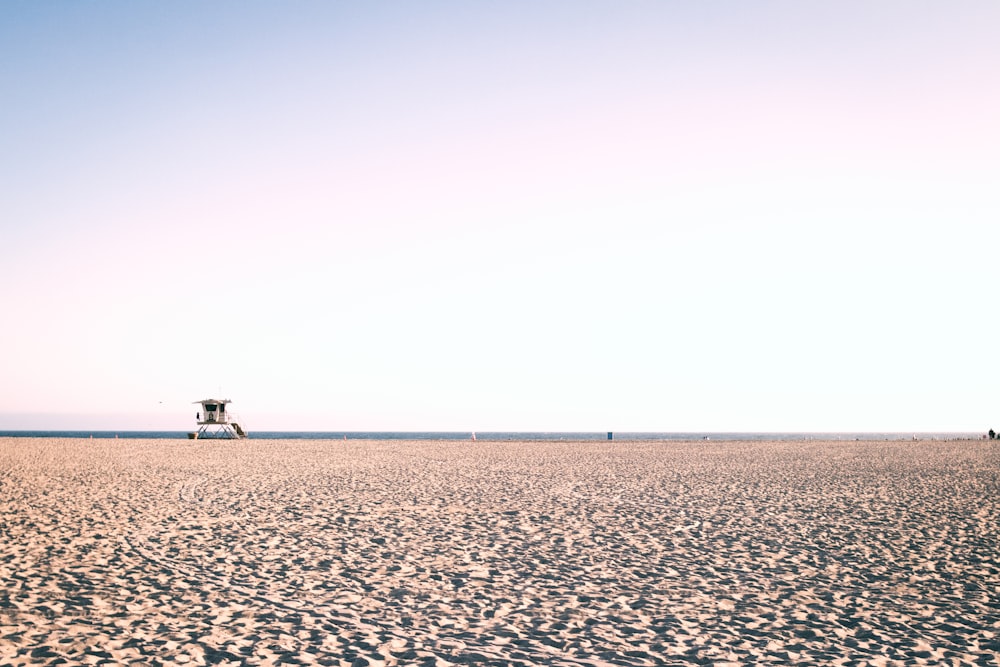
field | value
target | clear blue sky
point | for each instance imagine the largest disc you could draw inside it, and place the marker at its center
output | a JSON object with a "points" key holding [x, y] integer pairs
{"points": [[501, 216]]}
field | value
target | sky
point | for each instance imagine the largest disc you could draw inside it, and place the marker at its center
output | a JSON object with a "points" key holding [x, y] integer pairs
{"points": [[516, 216]]}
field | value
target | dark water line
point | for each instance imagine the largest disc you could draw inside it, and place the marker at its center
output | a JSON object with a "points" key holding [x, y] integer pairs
{"points": [[502, 436]]}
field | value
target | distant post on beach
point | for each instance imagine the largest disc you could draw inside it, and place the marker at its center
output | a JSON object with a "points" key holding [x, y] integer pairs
{"points": [[611, 435]]}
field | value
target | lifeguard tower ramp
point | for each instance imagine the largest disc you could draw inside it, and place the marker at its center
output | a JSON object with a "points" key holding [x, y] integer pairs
{"points": [[216, 422]]}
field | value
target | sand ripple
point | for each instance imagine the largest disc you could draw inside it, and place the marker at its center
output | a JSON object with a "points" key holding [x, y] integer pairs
{"points": [[437, 553]]}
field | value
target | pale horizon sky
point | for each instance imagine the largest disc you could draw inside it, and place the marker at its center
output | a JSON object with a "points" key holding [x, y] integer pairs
{"points": [[522, 216]]}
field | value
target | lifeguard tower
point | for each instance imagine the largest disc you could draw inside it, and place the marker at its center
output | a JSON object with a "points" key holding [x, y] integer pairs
{"points": [[214, 421]]}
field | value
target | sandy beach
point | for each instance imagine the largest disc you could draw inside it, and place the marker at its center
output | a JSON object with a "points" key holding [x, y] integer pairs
{"points": [[163, 552]]}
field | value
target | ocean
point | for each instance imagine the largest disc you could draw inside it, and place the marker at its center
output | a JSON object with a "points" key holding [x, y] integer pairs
{"points": [[501, 436]]}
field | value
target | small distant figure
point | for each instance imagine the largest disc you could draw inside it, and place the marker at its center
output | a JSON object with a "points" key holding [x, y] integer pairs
{"points": [[473, 436], [992, 434]]}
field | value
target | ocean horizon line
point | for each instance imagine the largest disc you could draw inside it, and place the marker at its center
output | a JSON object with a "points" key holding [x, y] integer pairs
{"points": [[495, 436]]}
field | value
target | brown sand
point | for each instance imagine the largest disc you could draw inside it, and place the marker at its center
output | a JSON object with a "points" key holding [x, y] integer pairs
{"points": [[384, 553]]}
